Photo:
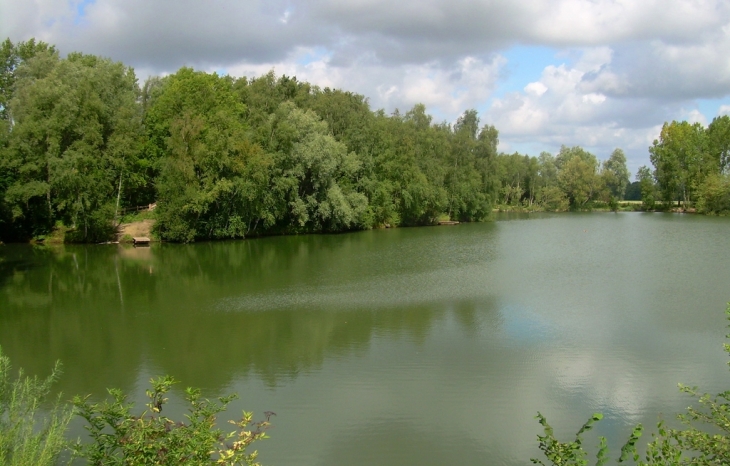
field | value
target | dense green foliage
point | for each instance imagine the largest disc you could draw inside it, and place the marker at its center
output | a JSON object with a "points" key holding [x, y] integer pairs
{"points": [[222, 157], [72, 131], [26, 438], [81, 142], [692, 166], [121, 438]]}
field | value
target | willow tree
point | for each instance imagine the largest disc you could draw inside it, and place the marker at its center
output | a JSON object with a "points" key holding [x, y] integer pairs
{"points": [[314, 176]]}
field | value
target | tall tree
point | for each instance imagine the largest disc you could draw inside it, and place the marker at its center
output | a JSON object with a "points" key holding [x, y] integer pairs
{"points": [[486, 163], [680, 158], [469, 191], [513, 174], [408, 157], [11, 57], [314, 175], [718, 133], [578, 175], [213, 178], [547, 169], [646, 181], [616, 174]]}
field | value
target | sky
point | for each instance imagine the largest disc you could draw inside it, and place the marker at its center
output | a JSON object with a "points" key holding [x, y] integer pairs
{"points": [[601, 74]]}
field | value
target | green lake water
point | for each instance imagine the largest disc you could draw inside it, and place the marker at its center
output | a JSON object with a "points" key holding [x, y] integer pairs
{"points": [[410, 346]]}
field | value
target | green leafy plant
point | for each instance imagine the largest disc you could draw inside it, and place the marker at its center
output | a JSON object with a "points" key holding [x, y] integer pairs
{"points": [[568, 453], [573, 453], [25, 439], [121, 438]]}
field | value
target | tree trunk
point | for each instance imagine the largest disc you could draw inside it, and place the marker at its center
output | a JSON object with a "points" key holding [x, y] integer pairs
{"points": [[119, 194], [48, 192]]}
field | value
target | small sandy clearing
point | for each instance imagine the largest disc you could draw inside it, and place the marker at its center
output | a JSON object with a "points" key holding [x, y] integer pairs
{"points": [[136, 229]]}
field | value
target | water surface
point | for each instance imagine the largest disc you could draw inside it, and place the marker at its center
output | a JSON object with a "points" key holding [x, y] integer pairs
{"points": [[412, 346]]}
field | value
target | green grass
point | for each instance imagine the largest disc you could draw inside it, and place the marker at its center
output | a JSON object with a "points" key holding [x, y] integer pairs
{"points": [[132, 217], [25, 437]]}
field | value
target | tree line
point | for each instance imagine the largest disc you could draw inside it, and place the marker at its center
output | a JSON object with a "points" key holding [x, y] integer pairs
{"points": [[573, 179], [80, 140], [224, 157]]}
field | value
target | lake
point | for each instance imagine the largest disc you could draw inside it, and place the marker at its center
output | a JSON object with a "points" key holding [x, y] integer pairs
{"points": [[407, 346]]}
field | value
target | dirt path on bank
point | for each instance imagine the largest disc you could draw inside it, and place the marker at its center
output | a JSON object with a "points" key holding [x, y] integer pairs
{"points": [[136, 229]]}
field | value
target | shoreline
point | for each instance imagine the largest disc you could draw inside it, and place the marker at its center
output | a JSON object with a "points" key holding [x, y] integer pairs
{"points": [[126, 232]]}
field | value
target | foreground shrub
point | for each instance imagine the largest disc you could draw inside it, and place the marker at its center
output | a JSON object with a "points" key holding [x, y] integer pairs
{"points": [[120, 438], [713, 197], [24, 438]]}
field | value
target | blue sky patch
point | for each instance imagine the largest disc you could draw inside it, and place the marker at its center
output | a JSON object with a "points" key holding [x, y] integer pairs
{"points": [[81, 11], [710, 108], [525, 64], [316, 54]]}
